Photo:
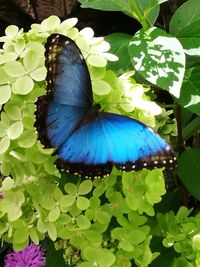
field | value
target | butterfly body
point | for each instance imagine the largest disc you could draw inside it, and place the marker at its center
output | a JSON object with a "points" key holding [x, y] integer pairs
{"points": [[90, 141]]}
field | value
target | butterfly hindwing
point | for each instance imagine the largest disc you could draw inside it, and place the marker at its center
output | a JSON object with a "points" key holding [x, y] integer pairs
{"points": [[111, 139]]}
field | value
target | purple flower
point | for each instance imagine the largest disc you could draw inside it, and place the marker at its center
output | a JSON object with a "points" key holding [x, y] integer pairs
{"points": [[31, 256], [1, 196]]}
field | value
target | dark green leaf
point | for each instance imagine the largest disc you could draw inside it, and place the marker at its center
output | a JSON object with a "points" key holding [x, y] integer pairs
{"points": [[54, 257], [119, 46], [191, 128], [142, 10], [189, 169], [190, 91], [188, 13]]}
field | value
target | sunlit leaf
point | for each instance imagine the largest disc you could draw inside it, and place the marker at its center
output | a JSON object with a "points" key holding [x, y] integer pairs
{"points": [[5, 93], [15, 130], [159, 58]]}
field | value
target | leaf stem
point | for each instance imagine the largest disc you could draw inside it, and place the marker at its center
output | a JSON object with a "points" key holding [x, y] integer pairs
{"points": [[140, 17]]}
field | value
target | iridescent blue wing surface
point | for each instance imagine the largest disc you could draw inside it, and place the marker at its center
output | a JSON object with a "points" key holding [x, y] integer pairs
{"points": [[69, 91], [90, 142], [112, 139]]}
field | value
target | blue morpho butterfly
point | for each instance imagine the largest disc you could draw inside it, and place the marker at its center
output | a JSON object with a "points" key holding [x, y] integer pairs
{"points": [[89, 141]]}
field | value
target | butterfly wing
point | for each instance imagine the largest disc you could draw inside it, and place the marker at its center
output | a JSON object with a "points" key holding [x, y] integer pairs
{"points": [[89, 142], [69, 92], [112, 139]]}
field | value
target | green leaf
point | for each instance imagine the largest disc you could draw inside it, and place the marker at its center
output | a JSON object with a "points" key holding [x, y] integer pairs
{"points": [[189, 173], [190, 38], [132, 201], [136, 236], [54, 214], [103, 217], [19, 196], [155, 186], [139, 9], [4, 77], [23, 85], [97, 73], [94, 203], [110, 180], [20, 235], [34, 236], [190, 91], [28, 122], [107, 258], [145, 10], [57, 194], [5, 119], [159, 58], [3, 129], [35, 157], [184, 16], [5, 169], [67, 201], [14, 213], [50, 168], [13, 111], [83, 222], [91, 254], [100, 87], [99, 190], [191, 128], [119, 46], [42, 226], [17, 155], [4, 144], [15, 130], [94, 237], [31, 60], [183, 213], [191, 45], [96, 61], [82, 203], [47, 202], [39, 74], [52, 232], [107, 5], [71, 188], [126, 245], [196, 242], [85, 187], [27, 139], [5, 93], [7, 184], [21, 246], [14, 69], [37, 47]]}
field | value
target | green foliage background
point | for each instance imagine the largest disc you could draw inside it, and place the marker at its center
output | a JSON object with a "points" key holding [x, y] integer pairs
{"points": [[113, 221]]}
